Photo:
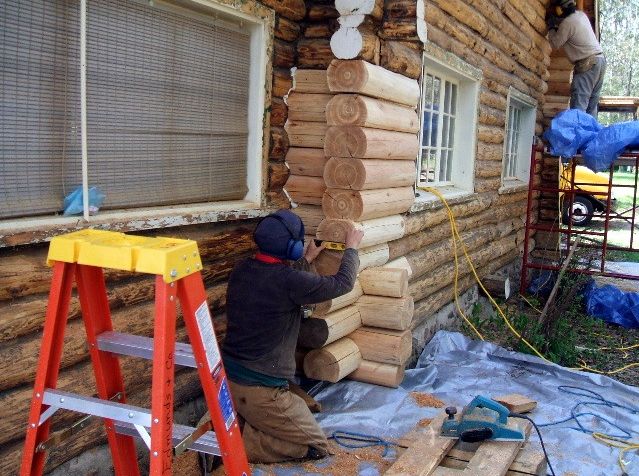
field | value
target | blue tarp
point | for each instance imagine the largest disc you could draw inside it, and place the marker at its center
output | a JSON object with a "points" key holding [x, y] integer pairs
{"points": [[613, 305], [574, 131]]}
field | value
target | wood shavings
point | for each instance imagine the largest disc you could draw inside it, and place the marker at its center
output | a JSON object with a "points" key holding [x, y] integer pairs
{"points": [[427, 400], [424, 422]]}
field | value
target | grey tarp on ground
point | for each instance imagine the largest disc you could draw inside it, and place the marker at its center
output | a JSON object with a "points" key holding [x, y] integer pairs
{"points": [[455, 369]]}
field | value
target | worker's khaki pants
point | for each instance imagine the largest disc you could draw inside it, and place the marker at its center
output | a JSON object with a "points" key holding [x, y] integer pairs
{"points": [[278, 424]]}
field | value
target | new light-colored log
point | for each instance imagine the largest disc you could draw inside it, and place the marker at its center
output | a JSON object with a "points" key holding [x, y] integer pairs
{"points": [[377, 373], [373, 256], [376, 231], [306, 161], [367, 174], [387, 346], [358, 110], [391, 282], [367, 143], [308, 190], [310, 81], [341, 322], [401, 263], [340, 302], [333, 362], [360, 205], [306, 134], [311, 216], [307, 107], [386, 312], [358, 76]]}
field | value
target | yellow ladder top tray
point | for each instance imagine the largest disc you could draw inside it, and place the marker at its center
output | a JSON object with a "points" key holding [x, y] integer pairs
{"points": [[172, 258]]}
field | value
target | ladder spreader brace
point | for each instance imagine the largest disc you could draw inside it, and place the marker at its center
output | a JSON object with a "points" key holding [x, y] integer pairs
{"points": [[79, 257]]}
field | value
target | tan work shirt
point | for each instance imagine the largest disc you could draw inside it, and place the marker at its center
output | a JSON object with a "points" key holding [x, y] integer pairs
{"points": [[575, 34]]}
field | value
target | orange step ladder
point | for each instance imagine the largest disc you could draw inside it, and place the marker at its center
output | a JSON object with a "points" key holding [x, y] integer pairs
{"points": [[80, 257]]}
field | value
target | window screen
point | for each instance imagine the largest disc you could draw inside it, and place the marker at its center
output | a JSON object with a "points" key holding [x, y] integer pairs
{"points": [[512, 141], [167, 101]]}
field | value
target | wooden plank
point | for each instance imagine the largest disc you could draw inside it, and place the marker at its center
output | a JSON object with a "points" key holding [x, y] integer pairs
{"points": [[425, 454], [517, 403]]}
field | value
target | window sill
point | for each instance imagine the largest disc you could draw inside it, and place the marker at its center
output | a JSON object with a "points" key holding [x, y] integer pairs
{"points": [[512, 186], [24, 231], [428, 201]]}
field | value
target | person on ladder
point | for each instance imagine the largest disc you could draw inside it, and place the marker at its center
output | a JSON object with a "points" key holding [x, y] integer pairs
{"points": [[264, 303], [571, 29]]}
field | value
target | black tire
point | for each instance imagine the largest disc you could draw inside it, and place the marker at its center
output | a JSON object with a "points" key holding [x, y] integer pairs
{"points": [[582, 210]]}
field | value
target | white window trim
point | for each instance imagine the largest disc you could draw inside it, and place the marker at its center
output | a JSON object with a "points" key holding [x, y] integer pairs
{"points": [[468, 79], [261, 21], [528, 123]]}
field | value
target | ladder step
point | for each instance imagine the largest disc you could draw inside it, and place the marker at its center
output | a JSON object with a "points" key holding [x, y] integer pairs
{"points": [[207, 443], [140, 346], [125, 417]]}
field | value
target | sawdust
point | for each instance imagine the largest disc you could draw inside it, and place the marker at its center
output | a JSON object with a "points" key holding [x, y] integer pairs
{"points": [[187, 464], [426, 400], [424, 422]]}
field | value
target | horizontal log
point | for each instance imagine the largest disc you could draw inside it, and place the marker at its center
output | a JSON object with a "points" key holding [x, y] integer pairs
{"points": [[333, 362], [400, 8], [286, 29], [306, 134], [314, 53], [340, 302], [311, 216], [366, 174], [371, 80], [277, 199], [376, 231], [373, 256], [386, 312], [386, 346], [282, 82], [310, 81], [277, 175], [291, 9], [305, 190], [306, 161], [278, 143], [390, 282], [357, 110], [366, 204], [321, 30], [283, 54], [339, 323], [401, 57], [366, 143], [377, 373], [320, 12], [307, 107]]}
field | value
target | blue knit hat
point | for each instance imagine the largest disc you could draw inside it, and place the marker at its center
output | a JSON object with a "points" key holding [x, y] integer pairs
{"points": [[273, 237]]}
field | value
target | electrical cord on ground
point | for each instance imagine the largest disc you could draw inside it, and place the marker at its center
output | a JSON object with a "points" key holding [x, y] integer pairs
{"points": [[541, 440], [608, 439], [363, 441]]}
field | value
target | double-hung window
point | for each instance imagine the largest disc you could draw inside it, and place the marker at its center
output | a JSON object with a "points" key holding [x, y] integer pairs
{"points": [[174, 104], [520, 130], [449, 94]]}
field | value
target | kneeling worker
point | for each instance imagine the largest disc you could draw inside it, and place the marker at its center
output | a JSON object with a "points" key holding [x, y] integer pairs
{"points": [[264, 309]]}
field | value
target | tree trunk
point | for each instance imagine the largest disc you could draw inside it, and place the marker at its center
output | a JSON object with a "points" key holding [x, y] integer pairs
{"points": [[340, 302], [306, 134], [306, 190], [401, 57], [376, 231], [306, 161], [356, 110], [311, 216], [378, 374], [307, 107], [310, 81]]}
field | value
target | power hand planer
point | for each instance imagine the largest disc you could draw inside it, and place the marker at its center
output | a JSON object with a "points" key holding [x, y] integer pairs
{"points": [[483, 419]]}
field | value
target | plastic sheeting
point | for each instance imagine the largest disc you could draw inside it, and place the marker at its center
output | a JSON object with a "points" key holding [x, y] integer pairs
{"points": [[455, 369], [573, 130], [613, 305]]}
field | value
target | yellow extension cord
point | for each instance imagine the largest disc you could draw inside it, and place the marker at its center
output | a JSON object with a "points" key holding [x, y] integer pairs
{"points": [[623, 445]]}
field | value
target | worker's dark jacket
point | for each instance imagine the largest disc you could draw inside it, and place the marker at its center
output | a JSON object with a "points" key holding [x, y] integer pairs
{"points": [[263, 308]]}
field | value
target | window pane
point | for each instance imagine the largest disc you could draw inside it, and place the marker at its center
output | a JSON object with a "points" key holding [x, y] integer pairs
{"points": [[443, 162], [428, 92], [433, 129], [447, 95], [445, 137], [436, 93], [453, 108], [426, 126]]}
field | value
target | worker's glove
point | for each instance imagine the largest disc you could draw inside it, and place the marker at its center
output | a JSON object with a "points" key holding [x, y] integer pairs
{"points": [[552, 21]]}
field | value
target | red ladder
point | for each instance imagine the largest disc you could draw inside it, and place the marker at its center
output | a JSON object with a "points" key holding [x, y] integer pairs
{"points": [[80, 257]]}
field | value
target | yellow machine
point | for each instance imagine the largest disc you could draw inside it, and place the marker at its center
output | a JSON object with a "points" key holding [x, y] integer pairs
{"points": [[590, 197]]}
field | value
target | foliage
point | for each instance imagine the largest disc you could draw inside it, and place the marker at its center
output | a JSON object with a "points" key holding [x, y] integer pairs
{"points": [[618, 20]]}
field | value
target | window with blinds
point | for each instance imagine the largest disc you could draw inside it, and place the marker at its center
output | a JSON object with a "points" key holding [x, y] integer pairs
{"points": [[167, 105]]}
